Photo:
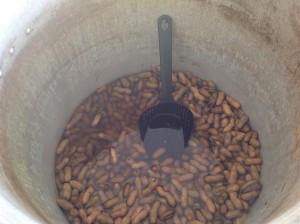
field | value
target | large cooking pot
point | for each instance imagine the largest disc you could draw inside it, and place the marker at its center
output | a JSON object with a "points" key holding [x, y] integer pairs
{"points": [[57, 52]]}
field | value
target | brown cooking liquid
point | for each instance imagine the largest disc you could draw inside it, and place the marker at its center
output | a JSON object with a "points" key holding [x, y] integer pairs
{"points": [[104, 174]]}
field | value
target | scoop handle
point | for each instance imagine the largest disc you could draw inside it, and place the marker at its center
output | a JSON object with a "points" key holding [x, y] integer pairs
{"points": [[165, 51]]}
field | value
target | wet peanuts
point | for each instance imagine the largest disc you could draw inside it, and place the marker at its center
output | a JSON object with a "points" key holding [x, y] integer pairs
{"points": [[126, 190], [233, 214], [233, 188], [66, 191], [139, 148], [220, 98], [148, 200], [185, 177], [198, 166], [214, 178], [158, 153], [139, 165], [149, 189], [93, 216], [177, 184], [111, 202], [62, 164], [249, 196], [64, 204], [113, 155], [61, 147], [74, 120], [233, 102], [197, 95], [184, 197], [138, 183], [166, 214], [226, 108], [233, 175], [96, 120], [87, 194], [208, 202], [104, 218], [235, 200], [154, 212], [251, 185], [170, 199], [119, 213], [68, 174], [254, 142], [208, 216], [140, 216], [253, 161], [105, 175], [189, 167], [132, 197]]}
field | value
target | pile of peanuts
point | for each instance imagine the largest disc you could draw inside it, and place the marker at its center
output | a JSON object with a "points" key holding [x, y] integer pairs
{"points": [[104, 174]]}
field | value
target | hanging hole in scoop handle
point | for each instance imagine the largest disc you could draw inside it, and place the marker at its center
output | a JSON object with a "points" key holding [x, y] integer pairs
{"points": [[165, 50]]}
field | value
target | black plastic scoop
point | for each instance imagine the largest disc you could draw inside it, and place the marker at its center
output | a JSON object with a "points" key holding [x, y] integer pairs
{"points": [[168, 124]]}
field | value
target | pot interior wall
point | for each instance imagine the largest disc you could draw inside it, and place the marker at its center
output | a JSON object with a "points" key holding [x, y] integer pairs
{"points": [[85, 45]]}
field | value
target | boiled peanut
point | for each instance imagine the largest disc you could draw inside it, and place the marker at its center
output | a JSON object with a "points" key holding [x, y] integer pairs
{"points": [[251, 185], [111, 202], [132, 197], [208, 216], [177, 184], [119, 213], [87, 194], [184, 197], [249, 195], [253, 161], [96, 119], [64, 204], [139, 165], [140, 216], [233, 188], [189, 167], [233, 214], [62, 146], [93, 216], [198, 165], [113, 155], [154, 212], [105, 218], [226, 108], [232, 178], [138, 183], [188, 213], [148, 200], [208, 202], [62, 164], [66, 191], [76, 118], [159, 152], [241, 122], [221, 96], [201, 160], [214, 178], [235, 200], [166, 215], [149, 189], [254, 142], [186, 177], [139, 148], [197, 94], [233, 102]]}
